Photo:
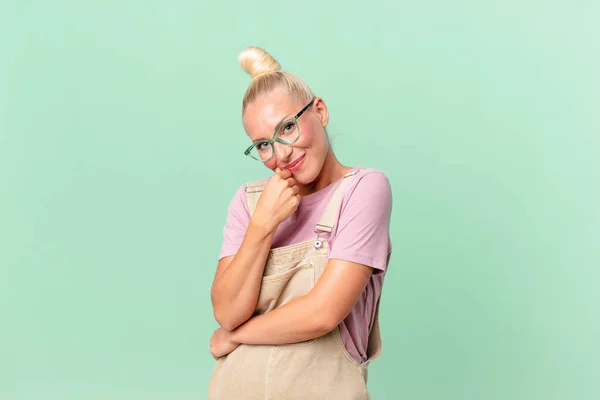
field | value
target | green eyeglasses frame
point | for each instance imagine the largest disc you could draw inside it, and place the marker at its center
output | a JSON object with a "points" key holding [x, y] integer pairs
{"points": [[275, 138]]}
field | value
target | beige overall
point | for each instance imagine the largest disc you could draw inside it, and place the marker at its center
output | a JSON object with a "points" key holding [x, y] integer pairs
{"points": [[319, 368]]}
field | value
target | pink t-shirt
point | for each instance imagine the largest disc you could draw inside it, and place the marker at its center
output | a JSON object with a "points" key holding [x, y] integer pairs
{"points": [[361, 235]]}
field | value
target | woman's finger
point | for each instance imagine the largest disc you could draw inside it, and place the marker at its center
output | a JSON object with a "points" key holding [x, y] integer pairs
{"points": [[284, 174]]}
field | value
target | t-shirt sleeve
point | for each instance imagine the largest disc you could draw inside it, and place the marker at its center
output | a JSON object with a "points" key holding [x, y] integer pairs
{"points": [[362, 234], [236, 224]]}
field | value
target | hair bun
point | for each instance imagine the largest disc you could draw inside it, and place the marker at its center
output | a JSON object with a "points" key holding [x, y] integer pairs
{"points": [[256, 61]]}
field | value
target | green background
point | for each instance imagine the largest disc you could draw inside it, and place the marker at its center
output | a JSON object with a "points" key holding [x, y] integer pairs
{"points": [[121, 146]]}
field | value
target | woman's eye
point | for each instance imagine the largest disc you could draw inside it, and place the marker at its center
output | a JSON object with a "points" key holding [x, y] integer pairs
{"points": [[289, 127]]}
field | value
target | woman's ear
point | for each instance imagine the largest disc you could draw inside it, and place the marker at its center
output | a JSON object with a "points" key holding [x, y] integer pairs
{"points": [[322, 111]]}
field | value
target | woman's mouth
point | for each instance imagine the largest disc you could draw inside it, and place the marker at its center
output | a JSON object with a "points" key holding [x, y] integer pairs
{"points": [[296, 165]]}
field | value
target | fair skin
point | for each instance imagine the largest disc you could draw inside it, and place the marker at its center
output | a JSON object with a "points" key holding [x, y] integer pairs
{"points": [[238, 278]]}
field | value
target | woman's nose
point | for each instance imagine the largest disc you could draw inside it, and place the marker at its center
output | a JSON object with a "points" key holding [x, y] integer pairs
{"points": [[282, 151]]}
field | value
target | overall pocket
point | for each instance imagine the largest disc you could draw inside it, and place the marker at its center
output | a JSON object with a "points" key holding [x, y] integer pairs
{"points": [[281, 288]]}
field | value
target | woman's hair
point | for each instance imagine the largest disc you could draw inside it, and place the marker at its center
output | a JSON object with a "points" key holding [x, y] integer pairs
{"points": [[267, 76]]}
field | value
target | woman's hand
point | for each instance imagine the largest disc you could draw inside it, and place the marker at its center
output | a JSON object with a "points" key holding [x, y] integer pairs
{"points": [[278, 201], [221, 343]]}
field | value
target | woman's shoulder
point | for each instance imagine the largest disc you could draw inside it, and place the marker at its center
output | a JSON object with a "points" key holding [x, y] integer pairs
{"points": [[371, 182], [238, 204]]}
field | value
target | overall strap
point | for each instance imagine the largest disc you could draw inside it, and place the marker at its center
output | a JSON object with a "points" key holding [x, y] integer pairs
{"points": [[253, 192], [330, 215]]}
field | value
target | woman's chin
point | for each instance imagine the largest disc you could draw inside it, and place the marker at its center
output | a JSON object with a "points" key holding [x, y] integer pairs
{"points": [[304, 177]]}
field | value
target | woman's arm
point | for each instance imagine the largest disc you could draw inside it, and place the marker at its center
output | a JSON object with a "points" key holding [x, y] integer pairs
{"points": [[313, 315], [304, 318], [236, 285], [237, 281]]}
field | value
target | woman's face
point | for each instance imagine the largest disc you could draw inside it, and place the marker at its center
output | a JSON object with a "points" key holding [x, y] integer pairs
{"points": [[306, 156]]}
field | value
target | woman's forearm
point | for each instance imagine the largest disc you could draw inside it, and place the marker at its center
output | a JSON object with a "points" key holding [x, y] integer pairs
{"points": [[235, 291], [296, 321]]}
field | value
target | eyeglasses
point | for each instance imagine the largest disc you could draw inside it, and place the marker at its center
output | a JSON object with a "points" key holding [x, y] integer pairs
{"points": [[286, 133]]}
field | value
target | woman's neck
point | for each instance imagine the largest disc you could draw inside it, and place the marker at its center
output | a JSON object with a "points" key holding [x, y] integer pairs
{"points": [[332, 170]]}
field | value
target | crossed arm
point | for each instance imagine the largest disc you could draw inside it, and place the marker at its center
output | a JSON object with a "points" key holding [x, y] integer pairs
{"points": [[307, 317]]}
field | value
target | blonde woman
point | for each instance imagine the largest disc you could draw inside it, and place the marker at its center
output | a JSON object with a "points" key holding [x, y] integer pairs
{"points": [[300, 273]]}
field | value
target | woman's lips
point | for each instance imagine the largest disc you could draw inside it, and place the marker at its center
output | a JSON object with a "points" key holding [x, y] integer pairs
{"points": [[296, 165]]}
